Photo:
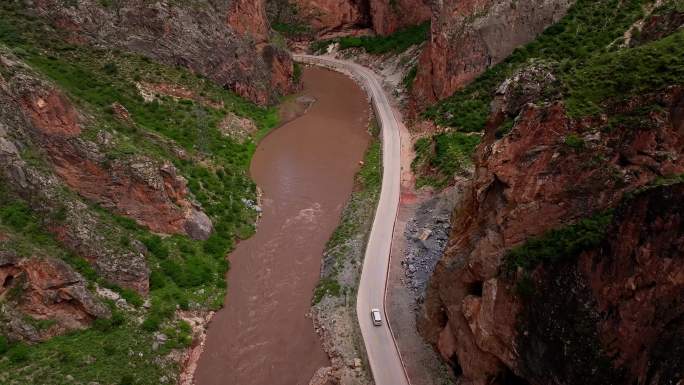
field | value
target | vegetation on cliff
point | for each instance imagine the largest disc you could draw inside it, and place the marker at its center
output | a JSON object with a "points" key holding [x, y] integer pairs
{"points": [[569, 310], [442, 156], [596, 65], [149, 110], [558, 244]]}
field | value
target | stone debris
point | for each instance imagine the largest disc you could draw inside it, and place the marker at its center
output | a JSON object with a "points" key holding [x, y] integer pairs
{"points": [[252, 205], [427, 234]]}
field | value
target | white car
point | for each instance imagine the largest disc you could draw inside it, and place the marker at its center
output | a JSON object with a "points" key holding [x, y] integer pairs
{"points": [[376, 316]]}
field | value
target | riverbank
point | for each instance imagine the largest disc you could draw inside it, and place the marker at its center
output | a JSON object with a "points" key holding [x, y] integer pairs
{"points": [[334, 303], [306, 170], [291, 108]]}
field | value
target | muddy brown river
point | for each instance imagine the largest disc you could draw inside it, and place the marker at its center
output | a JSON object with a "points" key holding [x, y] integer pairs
{"points": [[306, 170]]}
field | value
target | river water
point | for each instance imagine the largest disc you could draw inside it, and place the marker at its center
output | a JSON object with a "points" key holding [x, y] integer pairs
{"points": [[306, 171]]}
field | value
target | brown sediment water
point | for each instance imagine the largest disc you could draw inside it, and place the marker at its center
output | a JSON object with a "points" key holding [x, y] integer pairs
{"points": [[306, 170]]}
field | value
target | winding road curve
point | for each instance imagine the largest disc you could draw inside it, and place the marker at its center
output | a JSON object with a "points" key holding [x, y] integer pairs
{"points": [[383, 354]]}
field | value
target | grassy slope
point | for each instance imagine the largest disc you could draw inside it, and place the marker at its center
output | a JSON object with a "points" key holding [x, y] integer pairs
{"points": [[185, 273], [592, 70], [441, 156]]}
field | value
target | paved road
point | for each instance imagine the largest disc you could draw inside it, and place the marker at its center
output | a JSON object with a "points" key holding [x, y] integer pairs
{"points": [[383, 355]]}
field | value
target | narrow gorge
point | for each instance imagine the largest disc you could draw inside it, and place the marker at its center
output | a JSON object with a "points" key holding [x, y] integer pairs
{"points": [[183, 202]]}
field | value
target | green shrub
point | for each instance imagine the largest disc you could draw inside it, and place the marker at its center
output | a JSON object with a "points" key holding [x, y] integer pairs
{"points": [[292, 29], [157, 280], [326, 286], [19, 353], [110, 68], [16, 215], [156, 246], [82, 266], [370, 176], [127, 379], [574, 141], [152, 322], [217, 245], [615, 76], [440, 157], [525, 287], [102, 324], [296, 72], [4, 345], [407, 81], [504, 128]]}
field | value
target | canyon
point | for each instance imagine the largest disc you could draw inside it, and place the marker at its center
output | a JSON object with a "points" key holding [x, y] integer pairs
{"points": [[161, 221]]}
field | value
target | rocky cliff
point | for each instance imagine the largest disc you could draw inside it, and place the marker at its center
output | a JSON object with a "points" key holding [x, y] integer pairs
{"points": [[44, 297], [325, 17], [35, 115], [124, 152], [226, 41], [468, 37], [565, 262], [391, 15]]}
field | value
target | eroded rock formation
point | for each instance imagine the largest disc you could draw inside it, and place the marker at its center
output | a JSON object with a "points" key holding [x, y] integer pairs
{"points": [[44, 289], [151, 193], [36, 117], [620, 302], [467, 37], [337, 16], [532, 180], [326, 16]]}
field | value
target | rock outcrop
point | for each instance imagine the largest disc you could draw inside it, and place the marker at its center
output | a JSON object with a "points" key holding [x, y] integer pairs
{"points": [[390, 15], [467, 37], [620, 303], [151, 193], [551, 170], [325, 16], [36, 118], [224, 41], [47, 298]]}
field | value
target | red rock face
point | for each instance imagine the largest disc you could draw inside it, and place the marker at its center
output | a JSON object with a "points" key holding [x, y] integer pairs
{"points": [[390, 15], [467, 37], [46, 289], [637, 277], [326, 16], [527, 183], [53, 115], [248, 17], [152, 194], [383, 16], [613, 315]]}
